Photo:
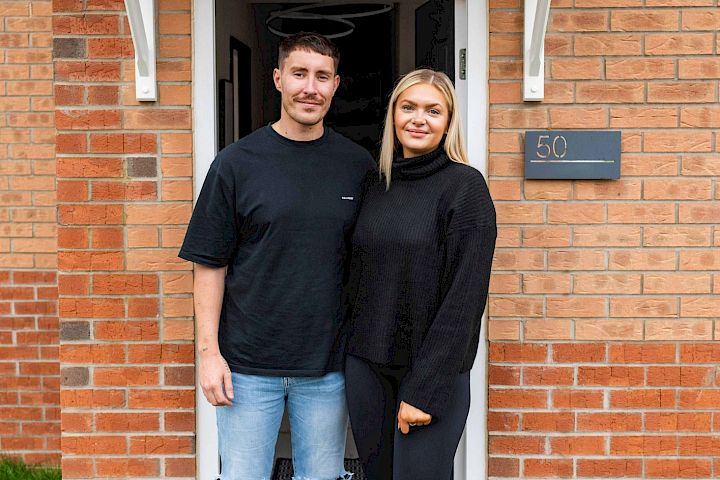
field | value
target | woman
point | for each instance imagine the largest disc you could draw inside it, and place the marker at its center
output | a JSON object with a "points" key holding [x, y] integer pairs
{"points": [[421, 255]]}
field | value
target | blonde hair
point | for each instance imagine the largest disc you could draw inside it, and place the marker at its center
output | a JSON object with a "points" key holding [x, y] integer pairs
{"points": [[454, 142]]}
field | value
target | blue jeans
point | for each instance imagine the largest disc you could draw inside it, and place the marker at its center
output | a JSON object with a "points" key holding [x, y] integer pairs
{"points": [[248, 429]]}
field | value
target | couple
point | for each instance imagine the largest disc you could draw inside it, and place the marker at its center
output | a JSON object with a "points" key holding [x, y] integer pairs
{"points": [[279, 237]]}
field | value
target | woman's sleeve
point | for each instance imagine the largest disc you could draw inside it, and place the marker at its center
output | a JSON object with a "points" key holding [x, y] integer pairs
{"points": [[454, 331]]}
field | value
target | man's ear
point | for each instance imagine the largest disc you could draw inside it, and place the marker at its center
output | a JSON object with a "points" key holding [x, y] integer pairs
{"points": [[276, 79], [337, 83]]}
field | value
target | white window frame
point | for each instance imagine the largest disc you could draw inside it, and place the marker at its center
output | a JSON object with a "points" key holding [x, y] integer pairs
{"points": [[472, 34]]}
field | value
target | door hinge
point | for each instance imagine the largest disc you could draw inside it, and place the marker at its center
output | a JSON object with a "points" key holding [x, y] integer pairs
{"points": [[463, 63]]}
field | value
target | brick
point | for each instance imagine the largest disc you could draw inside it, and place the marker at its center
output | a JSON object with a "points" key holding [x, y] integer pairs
{"points": [[606, 283], [90, 214], [87, 119], [163, 399], [156, 119], [699, 307], [578, 22], [513, 352], [611, 468], [608, 44], [142, 166], [703, 117], [548, 376], [643, 117], [679, 189], [68, 47], [641, 213], [142, 237], [109, 47], [503, 330], [177, 282], [643, 445], [575, 307], [173, 71], [502, 375], [677, 236], [175, 47], [677, 422], [515, 307], [644, 307], [678, 330], [74, 330], [577, 399], [609, 330], [174, 23], [644, 20], [699, 353], [85, 24], [639, 69], [590, 213], [699, 213], [125, 376], [700, 19], [88, 260], [102, 95], [576, 260], [608, 236], [124, 284], [548, 329], [123, 143], [548, 468], [610, 92], [505, 22], [545, 283], [127, 467], [576, 68], [678, 468], [609, 422], [516, 259], [176, 167], [150, 214], [577, 445], [74, 376], [678, 44], [680, 376], [578, 117], [699, 399], [546, 237], [95, 444], [516, 445], [642, 260], [107, 237], [87, 71], [699, 68], [677, 92], [124, 191], [180, 467], [179, 376], [179, 421], [676, 283], [126, 330]]}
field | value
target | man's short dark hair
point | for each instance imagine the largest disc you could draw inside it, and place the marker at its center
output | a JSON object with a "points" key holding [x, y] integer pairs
{"points": [[308, 41]]}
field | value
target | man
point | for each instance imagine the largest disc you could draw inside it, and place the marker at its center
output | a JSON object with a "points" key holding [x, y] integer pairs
{"points": [[268, 237]]}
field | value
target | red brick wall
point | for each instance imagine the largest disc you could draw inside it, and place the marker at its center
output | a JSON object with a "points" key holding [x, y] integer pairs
{"points": [[604, 352], [29, 370], [124, 196]]}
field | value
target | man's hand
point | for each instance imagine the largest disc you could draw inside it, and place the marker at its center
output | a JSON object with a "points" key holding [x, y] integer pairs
{"points": [[410, 416], [216, 379]]}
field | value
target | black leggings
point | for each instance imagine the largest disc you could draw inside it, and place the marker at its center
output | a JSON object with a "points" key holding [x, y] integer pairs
{"points": [[426, 453]]}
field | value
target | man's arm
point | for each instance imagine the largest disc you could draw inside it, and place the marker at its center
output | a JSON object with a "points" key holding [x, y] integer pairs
{"points": [[215, 377]]}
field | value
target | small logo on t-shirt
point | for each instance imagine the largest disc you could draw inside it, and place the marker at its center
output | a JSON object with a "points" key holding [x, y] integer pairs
{"points": [[348, 198]]}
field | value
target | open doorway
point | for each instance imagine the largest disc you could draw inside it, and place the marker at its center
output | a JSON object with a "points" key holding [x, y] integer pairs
{"points": [[378, 42], [412, 32]]}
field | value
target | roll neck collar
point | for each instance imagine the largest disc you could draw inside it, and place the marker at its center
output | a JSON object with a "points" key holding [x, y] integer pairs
{"points": [[420, 166]]}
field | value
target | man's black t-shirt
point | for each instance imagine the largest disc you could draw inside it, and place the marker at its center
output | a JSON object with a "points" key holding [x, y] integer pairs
{"points": [[278, 213]]}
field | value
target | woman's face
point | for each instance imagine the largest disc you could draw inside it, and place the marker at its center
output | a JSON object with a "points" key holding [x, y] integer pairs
{"points": [[421, 119]]}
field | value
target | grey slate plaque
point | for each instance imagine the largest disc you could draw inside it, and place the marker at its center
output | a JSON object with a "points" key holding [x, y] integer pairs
{"points": [[572, 154]]}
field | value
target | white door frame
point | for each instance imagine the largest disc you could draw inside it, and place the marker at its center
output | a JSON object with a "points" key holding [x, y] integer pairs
{"points": [[471, 460]]}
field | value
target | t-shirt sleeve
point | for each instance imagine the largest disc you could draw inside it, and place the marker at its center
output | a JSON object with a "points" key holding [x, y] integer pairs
{"points": [[469, 247], [211, 236]]}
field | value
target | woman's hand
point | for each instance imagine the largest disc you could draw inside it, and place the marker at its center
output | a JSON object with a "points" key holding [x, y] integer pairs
{"points": [[410, 416]]}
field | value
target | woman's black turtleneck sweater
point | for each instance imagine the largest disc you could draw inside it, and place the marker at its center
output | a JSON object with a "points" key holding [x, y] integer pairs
{"points": [[420, 268]]}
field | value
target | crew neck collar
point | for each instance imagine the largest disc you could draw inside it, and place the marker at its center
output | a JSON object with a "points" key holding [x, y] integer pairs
{"points": [[298, 143]]}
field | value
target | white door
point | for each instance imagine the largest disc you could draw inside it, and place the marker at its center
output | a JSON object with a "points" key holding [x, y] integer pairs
{"points": [[471, 34]]}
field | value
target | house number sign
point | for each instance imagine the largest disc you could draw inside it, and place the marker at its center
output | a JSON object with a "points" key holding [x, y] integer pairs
{"points": [[572, 154]]}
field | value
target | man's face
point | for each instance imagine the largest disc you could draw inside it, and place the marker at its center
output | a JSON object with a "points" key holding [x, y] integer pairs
{"points": [[307, 83]]}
